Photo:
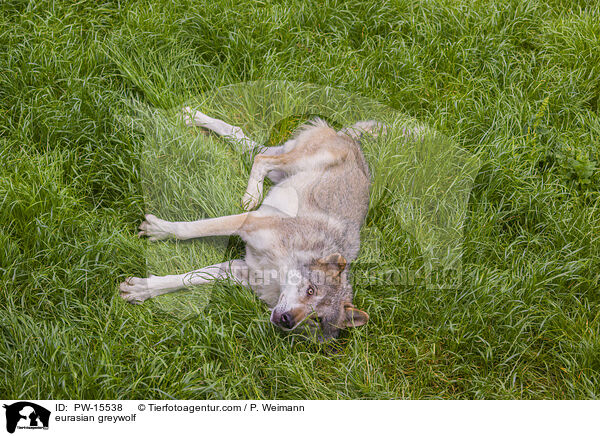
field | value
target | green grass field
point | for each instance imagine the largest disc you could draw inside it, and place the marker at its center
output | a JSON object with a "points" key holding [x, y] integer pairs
{"points": [[516, 83]]}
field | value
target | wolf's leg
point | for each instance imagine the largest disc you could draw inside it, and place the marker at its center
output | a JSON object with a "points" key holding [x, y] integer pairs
{"points": [[275, 176], [232, 133], [136, 290], [357, 130], [375, 128], [157, 229], [287, 163]]}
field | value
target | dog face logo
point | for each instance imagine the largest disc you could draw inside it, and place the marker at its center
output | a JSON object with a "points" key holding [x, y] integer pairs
{"points": [[26, 415], [294, 277]]}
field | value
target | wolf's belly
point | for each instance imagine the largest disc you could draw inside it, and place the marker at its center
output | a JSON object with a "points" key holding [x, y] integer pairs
{"points": [[282, 200]]}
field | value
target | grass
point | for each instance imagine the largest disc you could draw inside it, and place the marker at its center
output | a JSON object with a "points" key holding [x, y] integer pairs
{"points": [[516, 83]]}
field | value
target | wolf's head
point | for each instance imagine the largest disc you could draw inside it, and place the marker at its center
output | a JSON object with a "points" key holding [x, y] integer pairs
{"points": [[319, 297]]}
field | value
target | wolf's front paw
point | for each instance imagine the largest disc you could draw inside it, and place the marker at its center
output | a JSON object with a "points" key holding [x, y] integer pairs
{"points": [[135, 290], [155, 228]]}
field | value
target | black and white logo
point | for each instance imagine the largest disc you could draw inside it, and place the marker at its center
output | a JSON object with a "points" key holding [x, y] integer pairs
{"points": [[26, 415]]}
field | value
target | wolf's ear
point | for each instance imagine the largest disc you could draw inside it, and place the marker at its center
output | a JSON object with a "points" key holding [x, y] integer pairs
{"points": [[354, 317], [334, 264]]}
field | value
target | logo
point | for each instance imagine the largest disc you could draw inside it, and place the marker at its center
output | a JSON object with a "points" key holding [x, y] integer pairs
{"points": [[294, 277], [26, 415]]}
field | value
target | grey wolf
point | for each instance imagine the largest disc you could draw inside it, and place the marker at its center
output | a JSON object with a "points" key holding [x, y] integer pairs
{"points": [[299, 240]]}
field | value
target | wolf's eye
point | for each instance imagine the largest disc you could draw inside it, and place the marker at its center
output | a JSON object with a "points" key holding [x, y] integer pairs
{"points": [[310, 290]]}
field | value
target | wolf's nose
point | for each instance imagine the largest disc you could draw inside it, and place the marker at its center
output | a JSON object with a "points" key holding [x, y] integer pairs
{"points": [[286, 320]]}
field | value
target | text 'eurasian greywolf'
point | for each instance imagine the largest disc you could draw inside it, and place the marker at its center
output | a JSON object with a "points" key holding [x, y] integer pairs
{"points": [[301, 238]]}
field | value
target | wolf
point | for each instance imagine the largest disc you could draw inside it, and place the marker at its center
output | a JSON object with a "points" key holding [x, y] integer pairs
{"points": [[300, 239]]}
